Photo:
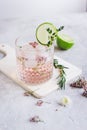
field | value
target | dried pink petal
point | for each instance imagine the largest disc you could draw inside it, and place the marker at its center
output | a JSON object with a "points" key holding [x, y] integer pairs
{"points": [[84, 94], [80, 83], [34, 44], [35, 119], [41, 59], [85, 86], [39, 103]]}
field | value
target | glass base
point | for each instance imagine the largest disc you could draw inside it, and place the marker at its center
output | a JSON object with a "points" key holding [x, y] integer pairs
{"points": [[36, 75]]}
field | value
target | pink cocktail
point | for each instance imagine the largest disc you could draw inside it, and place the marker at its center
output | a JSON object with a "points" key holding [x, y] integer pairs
{"points": [[34, 62]]}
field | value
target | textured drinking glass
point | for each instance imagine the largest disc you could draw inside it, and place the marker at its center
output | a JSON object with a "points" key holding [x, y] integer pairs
{"points": [[34, 61]]}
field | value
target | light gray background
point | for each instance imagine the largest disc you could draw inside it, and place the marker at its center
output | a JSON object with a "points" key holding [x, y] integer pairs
{"points": [[15, 109], [35, 8]]}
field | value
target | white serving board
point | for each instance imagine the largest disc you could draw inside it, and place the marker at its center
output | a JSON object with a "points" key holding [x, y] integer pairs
{"points": [[8, 67]]}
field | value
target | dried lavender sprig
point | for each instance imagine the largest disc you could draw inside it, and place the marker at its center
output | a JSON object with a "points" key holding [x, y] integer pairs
{"points": [[80, 83], [53, 35]]}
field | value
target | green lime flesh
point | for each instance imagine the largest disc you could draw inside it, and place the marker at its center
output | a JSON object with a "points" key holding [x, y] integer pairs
{"points": [[42, 35], [64, 41]]}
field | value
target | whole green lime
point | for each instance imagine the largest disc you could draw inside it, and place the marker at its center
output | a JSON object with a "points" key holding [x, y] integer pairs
{"points": [[64, 41]]}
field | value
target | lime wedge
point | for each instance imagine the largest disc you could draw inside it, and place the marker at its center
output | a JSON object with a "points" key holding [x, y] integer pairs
{"points": [[64, 41], [42, 35]]}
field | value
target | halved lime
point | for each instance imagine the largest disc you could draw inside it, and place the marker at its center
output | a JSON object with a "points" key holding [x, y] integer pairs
{"points": [[64, 41], [42, 35]]}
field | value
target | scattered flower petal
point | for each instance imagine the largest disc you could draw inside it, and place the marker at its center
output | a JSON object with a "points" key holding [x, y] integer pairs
{"points": [[41, 59], [35, 119], [84, 94], [33, 44], [64, 101], [39, 103], [80, 83]]}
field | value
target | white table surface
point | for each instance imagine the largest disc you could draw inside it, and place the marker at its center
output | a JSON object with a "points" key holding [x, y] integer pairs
{"points": [[16, 109]]}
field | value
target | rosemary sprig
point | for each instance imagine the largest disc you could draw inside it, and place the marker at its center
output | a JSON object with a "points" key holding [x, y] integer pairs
{"points": [[53, 35], [61, 78]]}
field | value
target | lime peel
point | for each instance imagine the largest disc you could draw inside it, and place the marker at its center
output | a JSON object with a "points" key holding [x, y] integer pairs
{"points": [[64, 41], [45, 33]]}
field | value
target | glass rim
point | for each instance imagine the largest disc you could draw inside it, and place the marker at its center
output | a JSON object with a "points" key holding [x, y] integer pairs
{"points": [[43, 46]]}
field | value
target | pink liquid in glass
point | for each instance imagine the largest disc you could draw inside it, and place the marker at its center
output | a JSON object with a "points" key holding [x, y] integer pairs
{"points": [[34, 63]]}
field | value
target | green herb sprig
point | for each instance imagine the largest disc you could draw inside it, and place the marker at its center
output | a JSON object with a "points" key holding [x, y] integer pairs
{"points": [[60, 28], [53, 35], [61, 78]]}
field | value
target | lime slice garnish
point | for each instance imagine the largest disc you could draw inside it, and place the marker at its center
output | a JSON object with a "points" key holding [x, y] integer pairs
{"points": [[64, 41], [42, 32]]}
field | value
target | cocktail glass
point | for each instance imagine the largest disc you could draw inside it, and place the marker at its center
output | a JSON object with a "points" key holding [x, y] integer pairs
{"points": [[34, 61]]}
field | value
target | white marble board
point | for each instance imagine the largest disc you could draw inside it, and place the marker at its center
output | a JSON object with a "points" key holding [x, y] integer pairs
{"points": [[8, 67]]}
